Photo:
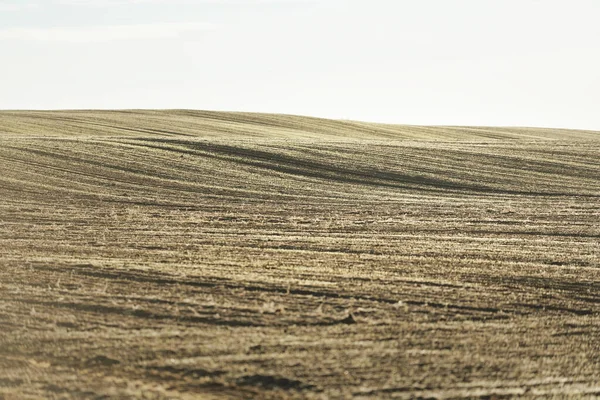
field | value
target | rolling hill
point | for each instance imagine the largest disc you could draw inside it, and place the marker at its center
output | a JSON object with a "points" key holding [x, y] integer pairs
{"points": [[178, 254]]}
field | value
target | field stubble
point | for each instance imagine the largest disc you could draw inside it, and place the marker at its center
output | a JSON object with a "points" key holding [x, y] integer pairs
{"points": [[184, 254]]}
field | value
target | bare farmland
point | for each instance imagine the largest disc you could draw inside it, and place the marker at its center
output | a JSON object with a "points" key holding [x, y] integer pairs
{"points": [[183, 254]]}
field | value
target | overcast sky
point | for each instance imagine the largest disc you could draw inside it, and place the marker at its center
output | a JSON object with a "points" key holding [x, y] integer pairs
{"points": [[456, 62]]}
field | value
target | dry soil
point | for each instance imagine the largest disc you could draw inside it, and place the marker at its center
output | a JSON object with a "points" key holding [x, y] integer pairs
{"points": [[186, 254]]}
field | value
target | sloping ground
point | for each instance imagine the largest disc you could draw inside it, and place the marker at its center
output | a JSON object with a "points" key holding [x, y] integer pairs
{"points": [[192, 255], [230, 125]]}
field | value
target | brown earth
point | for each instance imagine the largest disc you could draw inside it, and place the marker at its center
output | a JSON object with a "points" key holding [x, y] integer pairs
{"points": [[183, 255]]}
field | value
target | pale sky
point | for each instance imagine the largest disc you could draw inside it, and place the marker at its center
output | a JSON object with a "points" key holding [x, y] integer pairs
{"points": [[438, 62]]}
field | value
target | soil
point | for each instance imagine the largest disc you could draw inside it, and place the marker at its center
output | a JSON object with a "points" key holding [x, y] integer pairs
{"points": [[295, 258]]}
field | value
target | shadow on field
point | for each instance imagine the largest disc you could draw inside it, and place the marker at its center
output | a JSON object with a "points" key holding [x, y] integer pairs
{"points": [[282, 163]]}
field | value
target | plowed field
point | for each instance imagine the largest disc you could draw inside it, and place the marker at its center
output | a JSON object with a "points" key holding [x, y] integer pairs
{"points": [[183, 255]]}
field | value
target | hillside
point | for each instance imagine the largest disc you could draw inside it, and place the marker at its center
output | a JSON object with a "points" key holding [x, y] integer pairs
{"points": [[178, 254], [228, 125]]}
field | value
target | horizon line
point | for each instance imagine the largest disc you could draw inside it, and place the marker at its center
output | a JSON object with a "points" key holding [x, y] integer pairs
{"points": [[2, 110]]}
